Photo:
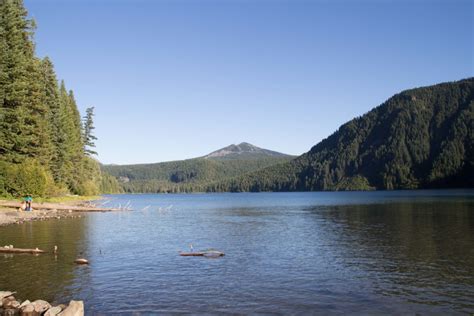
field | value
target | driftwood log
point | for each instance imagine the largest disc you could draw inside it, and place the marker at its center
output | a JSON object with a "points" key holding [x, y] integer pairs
{"points": [[211, 253], [20, 250]]}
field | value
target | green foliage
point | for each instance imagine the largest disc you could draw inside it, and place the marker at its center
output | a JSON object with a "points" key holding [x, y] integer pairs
{"points": [[109, 184], [88, 137], [42, 149], [26, 178], [420, 138], [192, 175]]}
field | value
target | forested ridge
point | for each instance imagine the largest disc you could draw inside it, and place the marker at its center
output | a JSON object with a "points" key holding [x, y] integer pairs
{"points": [[194, 175], [46, 147], [419, 138]]}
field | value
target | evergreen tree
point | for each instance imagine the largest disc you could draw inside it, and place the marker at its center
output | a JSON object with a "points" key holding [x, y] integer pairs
{"points": [[41, 133], [88, 137], [24, 126], [51, 101]]}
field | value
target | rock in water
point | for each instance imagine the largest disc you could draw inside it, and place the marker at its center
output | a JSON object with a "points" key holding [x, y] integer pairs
{"points": [[6, 301], [11, 304], [28, 309], [41, 306], [4, 294], [53, 311], [81, 261], [75, 308]]}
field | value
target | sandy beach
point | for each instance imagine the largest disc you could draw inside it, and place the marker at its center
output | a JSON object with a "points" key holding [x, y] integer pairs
{"points": [[10, 214]]}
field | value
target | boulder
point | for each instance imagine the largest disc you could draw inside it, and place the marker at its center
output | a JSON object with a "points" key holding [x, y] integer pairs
{"points": [[4, 294], [53, 311], [6, 300], [28, 310], [11, 304], [11, 312], [75, 308], [41, 306], [81, 261], [63, 306], [24, 303]]}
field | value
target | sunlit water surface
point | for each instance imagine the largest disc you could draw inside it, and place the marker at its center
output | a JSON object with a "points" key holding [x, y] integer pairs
{"points": [[322, 253]]}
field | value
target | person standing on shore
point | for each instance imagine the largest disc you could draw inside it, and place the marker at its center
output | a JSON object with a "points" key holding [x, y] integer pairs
{"points": [[29, 199]]}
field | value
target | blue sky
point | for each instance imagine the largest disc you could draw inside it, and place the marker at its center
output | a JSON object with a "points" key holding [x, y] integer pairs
{"points": [[178, 79]]}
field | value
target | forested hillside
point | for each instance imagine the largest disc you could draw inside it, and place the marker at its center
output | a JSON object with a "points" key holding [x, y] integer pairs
{"points": [[194, 175], [45, 146], [420, 138]]}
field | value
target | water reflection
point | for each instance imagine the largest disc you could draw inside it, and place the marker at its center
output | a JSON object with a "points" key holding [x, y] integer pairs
{"points": [[325, 253], [422, 252], [46, 276]]}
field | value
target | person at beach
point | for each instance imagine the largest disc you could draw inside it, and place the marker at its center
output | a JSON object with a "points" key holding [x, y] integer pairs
{"points": [[29, 199]]}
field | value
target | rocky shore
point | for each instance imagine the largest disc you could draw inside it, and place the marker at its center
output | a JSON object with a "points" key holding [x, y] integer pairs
{"points": [[10, 306], [8, 216], [9, 213]]}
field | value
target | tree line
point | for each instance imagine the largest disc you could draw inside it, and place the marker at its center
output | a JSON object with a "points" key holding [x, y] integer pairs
{"points": [[419, 138], [46, 148]]}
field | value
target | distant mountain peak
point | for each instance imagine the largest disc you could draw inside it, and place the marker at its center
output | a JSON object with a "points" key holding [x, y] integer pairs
{"points": [[243, 150]]}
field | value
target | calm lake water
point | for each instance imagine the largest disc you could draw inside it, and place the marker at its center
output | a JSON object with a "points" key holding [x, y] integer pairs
{"points": [[393, 252]]}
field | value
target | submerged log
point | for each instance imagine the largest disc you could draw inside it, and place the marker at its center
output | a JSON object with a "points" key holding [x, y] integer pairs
{"points": [[211, 253], [20, 250]]}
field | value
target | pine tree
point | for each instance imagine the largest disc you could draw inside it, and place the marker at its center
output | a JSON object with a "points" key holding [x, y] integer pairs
{"points": [[51, 101], [24, 125], [88, 137], [41, 131]]}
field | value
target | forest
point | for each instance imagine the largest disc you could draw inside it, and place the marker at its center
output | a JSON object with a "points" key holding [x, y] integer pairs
{"points": [[46, 147], [194, 175], [419, 138]]}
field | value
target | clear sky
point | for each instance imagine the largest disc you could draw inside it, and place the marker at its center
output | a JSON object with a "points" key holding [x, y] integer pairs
{"points": [[178, 79]]}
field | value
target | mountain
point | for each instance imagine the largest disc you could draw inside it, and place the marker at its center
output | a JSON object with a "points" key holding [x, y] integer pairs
{"points": [[194, 175], [243, 151], [419, 138]]}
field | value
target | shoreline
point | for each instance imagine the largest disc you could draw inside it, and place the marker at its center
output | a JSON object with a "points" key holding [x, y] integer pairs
{"points": [[10, 214], [9, 305]]}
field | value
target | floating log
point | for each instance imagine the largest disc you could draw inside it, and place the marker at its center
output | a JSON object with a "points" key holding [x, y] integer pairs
{"points": [[20, 250], [81, 261], [210, 253]]}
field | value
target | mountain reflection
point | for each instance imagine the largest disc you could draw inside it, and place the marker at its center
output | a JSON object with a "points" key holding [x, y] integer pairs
{"points": [[415, 250]]}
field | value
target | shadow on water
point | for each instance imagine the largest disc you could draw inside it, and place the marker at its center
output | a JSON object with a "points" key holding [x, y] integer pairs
{"points": [[51, 277]]}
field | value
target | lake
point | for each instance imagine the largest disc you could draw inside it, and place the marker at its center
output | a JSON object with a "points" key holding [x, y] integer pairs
{"points": [[394, 252]]}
